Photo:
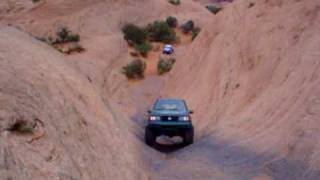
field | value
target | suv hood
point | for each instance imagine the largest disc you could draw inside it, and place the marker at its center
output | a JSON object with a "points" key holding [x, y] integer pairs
{"points": [[168, 113]]}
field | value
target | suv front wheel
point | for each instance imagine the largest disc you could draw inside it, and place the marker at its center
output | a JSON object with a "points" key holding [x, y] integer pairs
{"points": [[150, 137], [188, 136]]}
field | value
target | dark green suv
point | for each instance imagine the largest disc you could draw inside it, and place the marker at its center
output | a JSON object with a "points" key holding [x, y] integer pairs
{"points": [[170, 117]]}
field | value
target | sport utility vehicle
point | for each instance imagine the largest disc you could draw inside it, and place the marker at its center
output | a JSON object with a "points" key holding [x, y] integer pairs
{"points": [[170, 117]]}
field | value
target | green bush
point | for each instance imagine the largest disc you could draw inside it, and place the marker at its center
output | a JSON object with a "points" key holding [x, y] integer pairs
{"points": [[188, 26], [195, 32], [135, 69], [174, 2], [165, 66], [64, 35], [143, 48], [172, 21], [134, 33], [214, 8], [160, 31], [23, 126], [73, 38]]}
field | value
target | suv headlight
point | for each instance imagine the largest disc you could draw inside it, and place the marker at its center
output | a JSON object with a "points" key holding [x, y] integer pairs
{"points": [[184, 118], [154, 118]]}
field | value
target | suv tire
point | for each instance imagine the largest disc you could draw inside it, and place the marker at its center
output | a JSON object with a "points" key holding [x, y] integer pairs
{"points": [[149, 137], [188, 136]]}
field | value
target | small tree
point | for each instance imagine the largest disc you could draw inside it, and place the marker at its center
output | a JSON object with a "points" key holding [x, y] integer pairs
{"points": [[214, 8], [135, 69], [161, 31], [143, 48], [188, 26], [73, 38], [172, 21], [23, 126], [134, 33], [174, 2], [165, 66], [64, 35]]}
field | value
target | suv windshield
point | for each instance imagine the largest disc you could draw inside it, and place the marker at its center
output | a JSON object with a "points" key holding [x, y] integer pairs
{"points": [[170, 105]]}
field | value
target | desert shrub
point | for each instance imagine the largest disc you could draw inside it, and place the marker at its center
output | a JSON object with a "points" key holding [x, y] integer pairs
{"points": [[64, 35], [251, 4], [73, 38], [214, 8], [134, 33], [172, 21], [195, 32], [174, 2], [143, 48], [188, 26], [23, 126], [135, 69], [165, 65], [160, 31]]}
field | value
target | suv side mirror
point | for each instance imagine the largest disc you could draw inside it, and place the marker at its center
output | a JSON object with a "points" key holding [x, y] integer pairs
{"points": [[191, 112]]}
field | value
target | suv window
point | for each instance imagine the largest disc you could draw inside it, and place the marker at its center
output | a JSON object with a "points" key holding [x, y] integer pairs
{"points": [[170, 105]]}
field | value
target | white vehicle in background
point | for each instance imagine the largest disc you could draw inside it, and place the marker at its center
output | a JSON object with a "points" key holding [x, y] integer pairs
{"points": [[168, 49]]}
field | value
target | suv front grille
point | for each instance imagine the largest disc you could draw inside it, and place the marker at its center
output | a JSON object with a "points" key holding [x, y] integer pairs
{"points": [[169, 118]]}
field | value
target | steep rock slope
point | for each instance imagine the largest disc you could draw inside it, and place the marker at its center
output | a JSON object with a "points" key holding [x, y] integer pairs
{"points": [[99, 24], [253, 78], [78, 133], [102, 118]]}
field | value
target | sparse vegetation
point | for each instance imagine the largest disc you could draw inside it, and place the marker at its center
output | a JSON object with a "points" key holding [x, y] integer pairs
{"points": [[214, 8], [165, 65], [142, 39], [134, 34], [251, 4], [143, 48], [135, 69], [23, 126], [64, 35], [73, 38], [174, 2], [188, 26], [160, 31], [65, 41], [172, 21], [195, 32]]}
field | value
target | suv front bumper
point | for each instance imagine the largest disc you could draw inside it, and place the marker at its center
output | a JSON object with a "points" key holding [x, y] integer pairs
{"points": [[170, 128]]}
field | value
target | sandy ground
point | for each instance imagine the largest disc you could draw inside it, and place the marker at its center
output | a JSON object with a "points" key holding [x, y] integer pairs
{"points": [[252, 77]]}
